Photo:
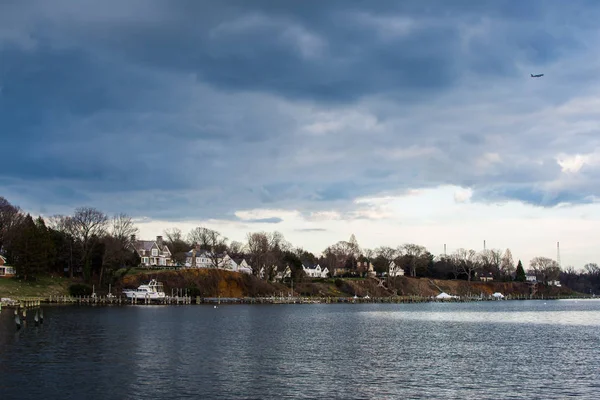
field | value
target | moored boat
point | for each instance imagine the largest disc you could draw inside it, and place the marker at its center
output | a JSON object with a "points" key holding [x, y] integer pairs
{"points": [[152, 291]]}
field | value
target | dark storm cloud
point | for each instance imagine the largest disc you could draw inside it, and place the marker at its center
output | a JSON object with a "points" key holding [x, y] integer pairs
{"points": [[197, 109]]}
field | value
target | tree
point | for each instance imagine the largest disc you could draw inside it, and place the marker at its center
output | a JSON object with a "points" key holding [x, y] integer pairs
{"points": [[212, 242], [466, 261], [258, 249], [413, 256], [64, 226], [177, 245], [545, 269], [28, 249], [266, 251], [117, 244], [490, 260], [520, 273], [387, 254], [236, 248], [86, 224], [592, 268], [10, 216], [507, 265]]}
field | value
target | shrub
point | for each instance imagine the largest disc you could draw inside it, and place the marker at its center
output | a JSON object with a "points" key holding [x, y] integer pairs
{"points": [[339, 283], [80, 289], [194, 291]]}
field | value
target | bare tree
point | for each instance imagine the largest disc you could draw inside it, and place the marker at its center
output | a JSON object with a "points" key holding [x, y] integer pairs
{"points": [[490, 260], [258, 250], [64, 224], [212, 242], [545, 268], [123, 229], [466, 261], [118, 243], [507, 265], [414, 256], [10, 216], [592, 268], [173, 235], [87, 223], [388, 254], [236, 247]]}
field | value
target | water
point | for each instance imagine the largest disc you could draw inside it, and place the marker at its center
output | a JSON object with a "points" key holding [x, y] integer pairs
{"points": [[487, 350]]}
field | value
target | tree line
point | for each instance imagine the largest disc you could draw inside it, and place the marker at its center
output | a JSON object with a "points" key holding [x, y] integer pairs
{"points": [[97, 247]]}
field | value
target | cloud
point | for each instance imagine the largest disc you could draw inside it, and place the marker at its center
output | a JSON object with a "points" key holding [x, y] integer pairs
{"points": [[272, 220], [204, 110]]}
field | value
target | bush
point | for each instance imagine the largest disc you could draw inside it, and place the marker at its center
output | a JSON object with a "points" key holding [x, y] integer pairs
{"points": [[339, 283], [80, 289]]}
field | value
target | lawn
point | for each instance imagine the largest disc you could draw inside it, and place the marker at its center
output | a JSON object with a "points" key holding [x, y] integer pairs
{"points": [[43, 286]]}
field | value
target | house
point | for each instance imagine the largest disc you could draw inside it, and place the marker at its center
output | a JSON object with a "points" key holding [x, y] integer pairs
{"points": [[5, 270], [367, 267], [530, 278], [395, 270], [284, 274], [242, 266], [153, 253], [554, 283], [314, 271], [196, 258], [486, 277]]}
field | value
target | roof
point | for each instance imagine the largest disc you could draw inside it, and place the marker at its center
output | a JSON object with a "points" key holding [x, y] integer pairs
{"points": [[148, 244], [308, 265]]}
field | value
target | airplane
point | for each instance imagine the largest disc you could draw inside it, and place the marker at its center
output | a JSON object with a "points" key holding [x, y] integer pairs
{"points": [[537, 76]]}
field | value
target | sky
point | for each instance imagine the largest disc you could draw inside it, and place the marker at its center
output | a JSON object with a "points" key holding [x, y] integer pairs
{"points": [[399, 122]]}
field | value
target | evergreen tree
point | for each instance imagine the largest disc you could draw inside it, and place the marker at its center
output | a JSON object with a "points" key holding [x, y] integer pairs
{"points": [[29, 249], [520, 275]]}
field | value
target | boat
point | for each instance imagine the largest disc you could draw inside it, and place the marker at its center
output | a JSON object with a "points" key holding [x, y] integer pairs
{"points": [[152, 291]]}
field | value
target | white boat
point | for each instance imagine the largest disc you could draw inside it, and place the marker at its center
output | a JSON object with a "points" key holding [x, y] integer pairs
{"points": [[152, 291]]}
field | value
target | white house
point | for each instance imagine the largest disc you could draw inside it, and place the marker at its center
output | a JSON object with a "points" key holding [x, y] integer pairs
{"points": [[395, 270], [196, 258], [531, 278], [5, 270], [242, 266], [153, 253], [315, 271], [554, 283], [286, 273]]}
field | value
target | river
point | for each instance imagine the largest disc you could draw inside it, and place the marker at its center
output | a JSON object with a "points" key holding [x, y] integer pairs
{"points": [[481, 350]]}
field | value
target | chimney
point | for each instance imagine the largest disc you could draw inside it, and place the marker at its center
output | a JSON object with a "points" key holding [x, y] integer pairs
{"points": [[159, 241]]}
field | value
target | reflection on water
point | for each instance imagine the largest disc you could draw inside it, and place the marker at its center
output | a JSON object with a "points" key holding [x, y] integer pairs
{"points": [[372, 351]]}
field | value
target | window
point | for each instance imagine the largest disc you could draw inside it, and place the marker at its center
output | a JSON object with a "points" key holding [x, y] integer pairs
{"points": [[145, 260], [154, 252]]}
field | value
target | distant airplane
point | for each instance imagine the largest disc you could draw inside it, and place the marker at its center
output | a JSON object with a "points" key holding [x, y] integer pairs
{"points": [[537, 76]]}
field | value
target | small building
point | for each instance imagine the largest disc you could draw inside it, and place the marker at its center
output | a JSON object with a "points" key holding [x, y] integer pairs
{"points": [[315, 271], [486, 277], [395, 270], [554, 283], [530, 278], [242, 266], [6, 271], [283, 274]]}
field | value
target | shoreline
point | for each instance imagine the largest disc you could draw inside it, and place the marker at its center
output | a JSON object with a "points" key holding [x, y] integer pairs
{"points": [[32, 302]]}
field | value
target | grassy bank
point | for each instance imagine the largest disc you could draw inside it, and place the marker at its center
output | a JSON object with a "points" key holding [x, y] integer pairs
{"points": [[43, 286], [213, 283]]}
